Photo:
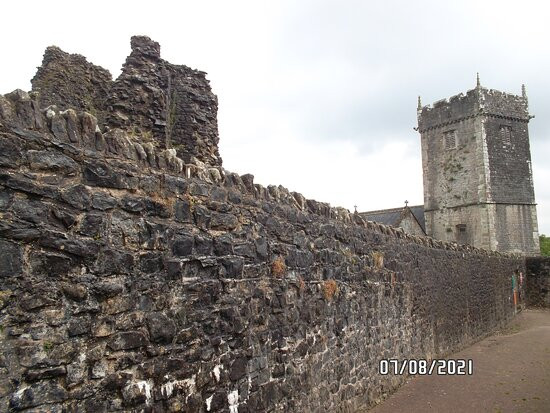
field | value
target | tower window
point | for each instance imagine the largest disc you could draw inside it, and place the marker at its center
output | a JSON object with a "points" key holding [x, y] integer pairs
{"points": [[461, 235], [450, 139], [506, 134]]}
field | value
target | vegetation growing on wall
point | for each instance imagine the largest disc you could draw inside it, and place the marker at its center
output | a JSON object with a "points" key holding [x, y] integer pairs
{"points": [[544, 245]]}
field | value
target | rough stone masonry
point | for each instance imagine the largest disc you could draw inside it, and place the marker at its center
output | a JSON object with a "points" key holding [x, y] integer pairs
{"points": [[136, 274]]}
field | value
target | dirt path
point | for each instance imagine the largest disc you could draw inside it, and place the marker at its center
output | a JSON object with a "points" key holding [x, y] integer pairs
{"points": [[511, 374]]}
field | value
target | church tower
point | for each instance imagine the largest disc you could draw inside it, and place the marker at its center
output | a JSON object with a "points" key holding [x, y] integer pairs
{"points": [[476, 161]]}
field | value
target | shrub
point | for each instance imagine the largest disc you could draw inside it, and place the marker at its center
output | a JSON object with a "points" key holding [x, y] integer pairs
{"points": [[544, 245], [378, 258], [278, 267], [330, 289]]}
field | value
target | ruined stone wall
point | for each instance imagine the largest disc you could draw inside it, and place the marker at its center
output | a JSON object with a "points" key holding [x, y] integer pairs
{"points": [[538, 282], [170, 106], [132, 280], [69, 81]]}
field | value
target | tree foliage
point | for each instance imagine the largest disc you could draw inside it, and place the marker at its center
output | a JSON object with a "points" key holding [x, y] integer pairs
{"points": [[544, 245]]}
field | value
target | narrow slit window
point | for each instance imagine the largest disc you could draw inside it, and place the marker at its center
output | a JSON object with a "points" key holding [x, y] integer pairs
{"points": [[450, 139], [506, 134]]}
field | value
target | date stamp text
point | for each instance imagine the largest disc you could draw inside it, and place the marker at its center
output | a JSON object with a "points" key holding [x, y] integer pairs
{"points": [[413, 367]]}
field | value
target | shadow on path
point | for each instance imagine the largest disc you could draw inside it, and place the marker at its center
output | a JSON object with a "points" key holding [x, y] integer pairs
{"points": [[511, 374]]}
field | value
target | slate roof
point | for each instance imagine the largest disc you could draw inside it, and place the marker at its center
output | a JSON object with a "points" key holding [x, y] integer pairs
{"points": [[393, 216], [418, 212], [384, 216]]}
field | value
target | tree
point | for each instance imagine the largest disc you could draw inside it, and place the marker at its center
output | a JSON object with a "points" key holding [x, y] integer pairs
{"points": [[544, 245]]}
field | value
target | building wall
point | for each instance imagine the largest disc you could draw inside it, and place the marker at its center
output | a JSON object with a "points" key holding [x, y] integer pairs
{"points": [[511, 179], [410, 225], [481, 190], [132, 281], [516, 228]]}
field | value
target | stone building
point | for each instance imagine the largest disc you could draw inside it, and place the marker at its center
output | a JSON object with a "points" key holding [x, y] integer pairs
{"points": [[409, 218], [478, 181], [476, 161]]}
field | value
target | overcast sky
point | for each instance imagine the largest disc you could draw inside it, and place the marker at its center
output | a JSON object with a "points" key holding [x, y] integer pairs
{"points": [[319, 96]]}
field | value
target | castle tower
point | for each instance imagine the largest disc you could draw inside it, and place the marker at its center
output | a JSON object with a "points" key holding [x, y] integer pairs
{"points": [[476, 161]]}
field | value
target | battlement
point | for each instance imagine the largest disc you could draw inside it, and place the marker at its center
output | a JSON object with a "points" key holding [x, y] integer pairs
{"points": [[476, 102]]}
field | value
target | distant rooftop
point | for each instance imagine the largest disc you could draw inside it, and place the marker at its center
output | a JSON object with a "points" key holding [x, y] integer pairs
{"points": [[393, 216]]}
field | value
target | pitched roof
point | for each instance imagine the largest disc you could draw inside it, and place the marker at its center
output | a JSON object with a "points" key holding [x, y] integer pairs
{"points": [[418, 212], [394, 216], [384, 216]]}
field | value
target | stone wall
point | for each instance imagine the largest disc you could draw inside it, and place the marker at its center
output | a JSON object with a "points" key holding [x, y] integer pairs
{"points": [[538, 282], [69, 81], [133, 280], [170, 106]]}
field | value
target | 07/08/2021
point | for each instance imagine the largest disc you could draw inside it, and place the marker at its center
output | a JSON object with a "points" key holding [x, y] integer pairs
{"points": [[413, 367]]}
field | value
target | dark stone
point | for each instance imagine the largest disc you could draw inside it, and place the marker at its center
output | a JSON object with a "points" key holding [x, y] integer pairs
{"points": [[183, 245], [223, 222], [75, 292], [132, 204], [233, 266], [52, 161], [238, 369], [19, 231], [11, 259], [199, 189], [111, 261], [103, 201], [159, 209], [79, 247], [78, 196], [27, 183], [223, 245], [182, 210], [161, 328], [50, 264], [78, 327], [203, 244], [10, 153], [127, 340], [107, 289], [151, 262], [116, 381], [92, 225], [32, 375], [202, 217], [69, 81], [38, 394], [262, 248], [175, 185], [30, 210], [246, 249], [64, 218], [100, 174]]}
